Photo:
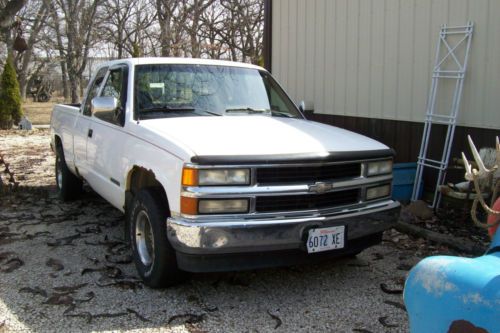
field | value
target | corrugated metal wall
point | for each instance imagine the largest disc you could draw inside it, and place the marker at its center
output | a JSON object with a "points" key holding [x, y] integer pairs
{"points": [[373, 58]]}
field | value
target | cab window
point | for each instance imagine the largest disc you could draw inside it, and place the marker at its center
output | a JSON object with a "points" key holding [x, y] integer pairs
{"points": [[93, 90], [116, 87]]}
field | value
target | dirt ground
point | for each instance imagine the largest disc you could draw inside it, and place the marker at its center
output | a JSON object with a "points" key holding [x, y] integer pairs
{"points": [[64, 267]]}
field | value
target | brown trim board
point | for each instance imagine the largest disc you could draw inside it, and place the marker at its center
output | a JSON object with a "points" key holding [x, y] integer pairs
{"points": [[268, 28]]}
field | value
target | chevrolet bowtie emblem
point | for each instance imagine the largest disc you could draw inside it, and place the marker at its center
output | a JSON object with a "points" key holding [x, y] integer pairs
{"points": [[320, 187]]}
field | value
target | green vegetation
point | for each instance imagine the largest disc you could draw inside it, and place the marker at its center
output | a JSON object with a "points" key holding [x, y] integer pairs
{"points": [[136, 51], [10, 97]]}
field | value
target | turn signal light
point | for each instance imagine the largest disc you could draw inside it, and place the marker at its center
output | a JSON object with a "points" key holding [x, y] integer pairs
{"points": [[189, 177], [189, 206]]}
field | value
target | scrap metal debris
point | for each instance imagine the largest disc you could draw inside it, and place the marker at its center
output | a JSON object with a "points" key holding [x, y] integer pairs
{"points": [[387, 290], [275, 317]]}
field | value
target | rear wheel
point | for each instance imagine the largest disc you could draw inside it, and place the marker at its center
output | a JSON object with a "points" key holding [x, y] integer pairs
{"points": [[43, 97], [69, 186], [153, 255]]}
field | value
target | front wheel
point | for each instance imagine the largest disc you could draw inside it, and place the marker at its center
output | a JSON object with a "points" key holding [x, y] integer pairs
{"points": [[153, 255], [69, 186]]}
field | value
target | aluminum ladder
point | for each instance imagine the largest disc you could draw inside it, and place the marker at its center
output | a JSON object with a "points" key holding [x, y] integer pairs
{"points": [[450, 65]]}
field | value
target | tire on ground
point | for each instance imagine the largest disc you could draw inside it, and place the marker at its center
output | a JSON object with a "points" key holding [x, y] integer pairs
{"points": [[69, 186], [158, 268]]}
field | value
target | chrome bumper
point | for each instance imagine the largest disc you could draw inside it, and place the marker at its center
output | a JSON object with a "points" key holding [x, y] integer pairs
{"points": [[274, 234]]}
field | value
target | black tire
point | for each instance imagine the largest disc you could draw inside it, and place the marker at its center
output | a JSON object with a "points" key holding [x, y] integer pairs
{"points": [[153, 255], [69, 186], [43, 97]]}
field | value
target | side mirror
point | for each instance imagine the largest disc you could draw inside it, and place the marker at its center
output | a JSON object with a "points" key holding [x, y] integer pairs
{"points": [[104, 104], [306, 106]]}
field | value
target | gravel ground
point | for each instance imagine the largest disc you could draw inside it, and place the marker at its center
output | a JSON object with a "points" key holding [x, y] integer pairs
{"points": [[64, 267]]}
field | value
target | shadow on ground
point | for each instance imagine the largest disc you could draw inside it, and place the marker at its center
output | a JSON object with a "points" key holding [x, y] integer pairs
{"points": [[65, 267]]}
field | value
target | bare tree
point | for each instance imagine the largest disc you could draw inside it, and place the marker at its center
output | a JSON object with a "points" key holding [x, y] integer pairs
{"points": [[166, 9], [212, 21], [8, 11], [193, 24], [119, 13], [244, 33], [217, 29], [77, 36], [33, 18], [125, 23]]}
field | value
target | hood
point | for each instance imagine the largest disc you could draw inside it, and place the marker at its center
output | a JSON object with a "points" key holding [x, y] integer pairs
{"points": [[257, 135]]}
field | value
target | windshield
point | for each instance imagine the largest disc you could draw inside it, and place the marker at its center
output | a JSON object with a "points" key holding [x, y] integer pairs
{"points": [[204, 90]]}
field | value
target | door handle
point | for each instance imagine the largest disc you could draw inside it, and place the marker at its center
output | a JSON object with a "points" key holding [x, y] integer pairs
{"points": [[90, 133]]}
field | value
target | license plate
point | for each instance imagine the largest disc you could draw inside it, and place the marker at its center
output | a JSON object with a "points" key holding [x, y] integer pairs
{"points": [[324, 239]]}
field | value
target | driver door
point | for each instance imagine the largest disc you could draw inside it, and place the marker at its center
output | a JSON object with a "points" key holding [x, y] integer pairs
{"points": [[82, 124]]}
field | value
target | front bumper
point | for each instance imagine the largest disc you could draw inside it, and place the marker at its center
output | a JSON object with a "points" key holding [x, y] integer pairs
{"points": [[278, 234]]}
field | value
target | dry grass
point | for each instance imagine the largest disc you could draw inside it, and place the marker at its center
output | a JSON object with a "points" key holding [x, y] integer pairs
{"points": [[39, 113]]}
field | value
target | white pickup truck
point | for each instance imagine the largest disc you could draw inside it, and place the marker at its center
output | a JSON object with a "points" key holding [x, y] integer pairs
{"points": [[216, 169]]}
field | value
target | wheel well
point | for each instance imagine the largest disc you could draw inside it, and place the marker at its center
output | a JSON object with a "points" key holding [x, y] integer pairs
{"points": [[140, 178], [57, 141]]}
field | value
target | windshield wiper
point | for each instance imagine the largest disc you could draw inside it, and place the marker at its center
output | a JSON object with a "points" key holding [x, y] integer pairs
{"points": [[166, 108], [247, 110], [250, 110], [212, 113]]}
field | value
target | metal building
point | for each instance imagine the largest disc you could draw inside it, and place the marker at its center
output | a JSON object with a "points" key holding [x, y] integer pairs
{"points": [[366, 65]]}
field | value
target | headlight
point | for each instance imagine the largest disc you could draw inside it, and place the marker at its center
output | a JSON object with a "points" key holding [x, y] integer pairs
{"points": [[224, 177], [378, 192], [194, 206], [195, 177], [222, 206], [379, 168]]}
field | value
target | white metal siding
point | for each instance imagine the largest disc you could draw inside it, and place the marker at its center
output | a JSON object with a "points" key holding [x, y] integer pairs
{"points": [[373, 58]]}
